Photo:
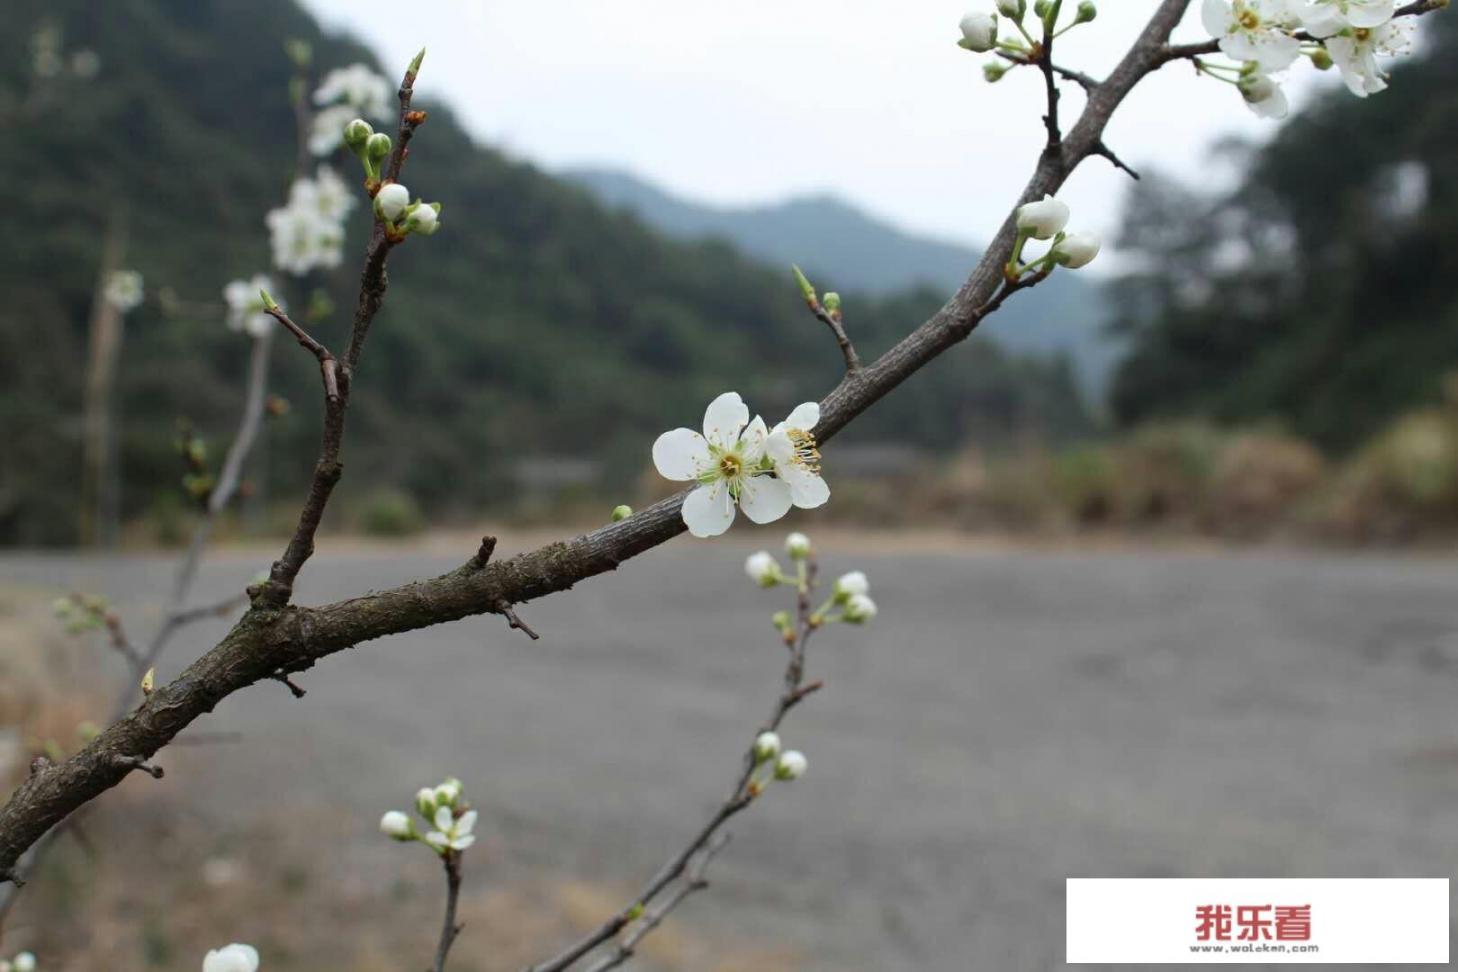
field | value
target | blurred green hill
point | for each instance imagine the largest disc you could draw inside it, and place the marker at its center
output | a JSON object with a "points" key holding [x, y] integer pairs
{"points": [[1323, 292], [538, 325]]}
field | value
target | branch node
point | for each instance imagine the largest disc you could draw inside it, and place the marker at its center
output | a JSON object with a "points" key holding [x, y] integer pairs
{"points": [[130, 763], [1102, 149], [484, 552], [293, 687], [506, 609]]}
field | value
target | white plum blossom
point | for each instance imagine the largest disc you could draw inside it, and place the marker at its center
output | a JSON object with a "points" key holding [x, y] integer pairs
{"points": [[851, 584], [859, 608], [358, 87], [1355, 53], [1323, 18], [1254, 30], [326, 130], [791, 448], [1264, 96], [1076, 250], [397, 826], [245, 305], [307, 232], [766, 746], [727, 462], [762, 569], [123, 290], [1043, 219], [979, 31], [791, 765], [391, 200], [452, 832], [232, 958]]}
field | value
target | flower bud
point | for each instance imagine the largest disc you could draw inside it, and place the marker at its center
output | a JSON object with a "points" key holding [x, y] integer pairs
{"points": [[993, 71], [425, 801], [621, 512], [979, 32], [424, 219], [391, 200], [234, 958], [1012, 8], [1044, 219], [859, 609], [356, 134], [806, 290], [1041, 8], [791, 765], [1086, 12], [762, 569], [851, 584], [766, 746], [24, 962], [377, 146], [447, 794], [782, 622], [797, 545], [831, 303], [1076, 250], [1321, 59], [397, 826]]}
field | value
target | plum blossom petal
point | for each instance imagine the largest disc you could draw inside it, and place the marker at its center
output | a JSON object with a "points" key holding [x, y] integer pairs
{"points": [[709, 510], [681, 455], [765, 499], [723, 419]]}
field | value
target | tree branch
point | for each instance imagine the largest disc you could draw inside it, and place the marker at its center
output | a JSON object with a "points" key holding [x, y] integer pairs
{"points": [[449, 929], [275, 635]]}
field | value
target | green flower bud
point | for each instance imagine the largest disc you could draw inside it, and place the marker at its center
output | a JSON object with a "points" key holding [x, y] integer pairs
{"points": [[1321, 59], [831, 303], [621, 512], [1086, 12], [993, 71], [356, 134], [806, 290]]}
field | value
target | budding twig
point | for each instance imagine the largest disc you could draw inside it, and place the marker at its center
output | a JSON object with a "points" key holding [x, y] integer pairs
{"points": [[449, 929], [505, 609]]}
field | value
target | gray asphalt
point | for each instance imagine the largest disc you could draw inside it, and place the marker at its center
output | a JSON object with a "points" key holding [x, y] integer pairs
{"points": [[1011, 720]]}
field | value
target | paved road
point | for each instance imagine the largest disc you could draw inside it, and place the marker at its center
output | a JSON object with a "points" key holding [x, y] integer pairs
{"points": [[1010, 721]]}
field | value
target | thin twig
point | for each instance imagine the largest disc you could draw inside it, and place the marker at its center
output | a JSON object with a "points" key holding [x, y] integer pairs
{"points": [[514, 620], [743, 794], [1175, 52], [1044, 60], [140, 763], [449, 928]]}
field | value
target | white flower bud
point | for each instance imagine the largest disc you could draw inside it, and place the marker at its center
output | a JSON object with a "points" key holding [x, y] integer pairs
{"points": [[397, 826], [979, 31], [424, 219], [791, 765], [425, 801], [1076, 250], [391, 201], [1012, 8], [234, 958], [1044, 219], [797, 545], [762, 569], [849, 585], [766, 746], [24, 962], [859, 609], [447, 794]]}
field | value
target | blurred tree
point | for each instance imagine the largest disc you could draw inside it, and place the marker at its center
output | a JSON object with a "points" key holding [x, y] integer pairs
{"points": [[1318, 294]]}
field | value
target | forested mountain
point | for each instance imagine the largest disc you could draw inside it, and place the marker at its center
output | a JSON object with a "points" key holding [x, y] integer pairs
{"points": [[1324, 292], [854, 251], [536, 323]]}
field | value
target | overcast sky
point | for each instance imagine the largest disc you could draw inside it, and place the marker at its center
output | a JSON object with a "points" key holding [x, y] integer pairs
{"points": [[753, 101]]}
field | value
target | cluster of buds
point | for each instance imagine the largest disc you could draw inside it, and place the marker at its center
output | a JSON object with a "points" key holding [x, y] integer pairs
{"points": [[1045, 219], [980, 32], [372, 148], [450, 819], [24, 962], [197, 479], [849, 600], [79, 613], [401, 216], [231, 958], [773, 762]]}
